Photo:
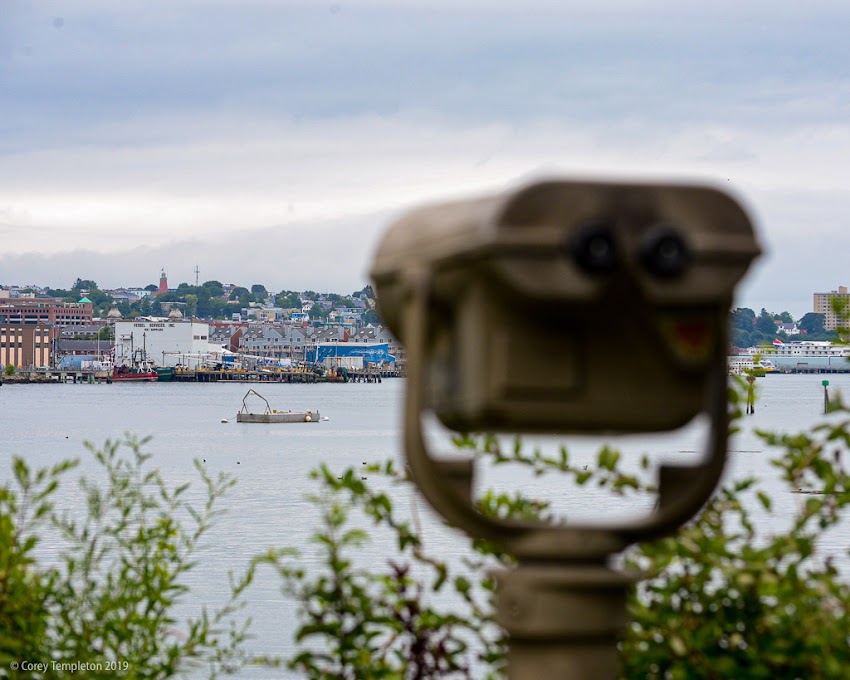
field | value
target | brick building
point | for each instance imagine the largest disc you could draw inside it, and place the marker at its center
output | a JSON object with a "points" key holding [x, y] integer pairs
{"points": [[29, 311]]}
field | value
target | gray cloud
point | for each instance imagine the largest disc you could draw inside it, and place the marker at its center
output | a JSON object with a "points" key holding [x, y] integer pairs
{"points": [[329, 256], [157, 124], [122, 62]]}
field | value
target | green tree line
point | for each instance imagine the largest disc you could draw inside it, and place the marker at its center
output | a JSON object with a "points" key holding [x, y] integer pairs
{"points": [[748, 329], [207, 300]]}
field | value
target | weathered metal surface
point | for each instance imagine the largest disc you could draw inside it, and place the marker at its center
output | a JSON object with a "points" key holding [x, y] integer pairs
{"points": [[287, 417], [598, 266]]}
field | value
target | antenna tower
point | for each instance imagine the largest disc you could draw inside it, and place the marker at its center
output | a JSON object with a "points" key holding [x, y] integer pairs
{"points": [[197, 272]]}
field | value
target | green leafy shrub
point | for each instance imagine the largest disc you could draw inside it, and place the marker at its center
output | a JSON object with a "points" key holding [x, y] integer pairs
{"points": [[363, 622], [725, 599], [108, 601]]}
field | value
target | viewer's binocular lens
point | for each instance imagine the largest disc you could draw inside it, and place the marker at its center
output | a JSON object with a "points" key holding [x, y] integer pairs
{"points": [[664, 252], [594, 248]]}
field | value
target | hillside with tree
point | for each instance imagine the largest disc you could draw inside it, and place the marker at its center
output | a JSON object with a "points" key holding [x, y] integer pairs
{"points": [[748, 329]]}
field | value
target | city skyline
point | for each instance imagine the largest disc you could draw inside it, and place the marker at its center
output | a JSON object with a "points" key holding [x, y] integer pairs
{"points": [[277, 140], [173, 285]]}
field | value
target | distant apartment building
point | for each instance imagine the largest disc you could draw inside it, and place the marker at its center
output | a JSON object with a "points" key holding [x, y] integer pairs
{"points": [[138, 292], [25, 345], [824, 304], [123, 295], [264, 314], [30, 311]]}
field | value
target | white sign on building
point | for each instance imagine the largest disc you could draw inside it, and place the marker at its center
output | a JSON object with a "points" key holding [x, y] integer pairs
{"points": [[165, 343]]}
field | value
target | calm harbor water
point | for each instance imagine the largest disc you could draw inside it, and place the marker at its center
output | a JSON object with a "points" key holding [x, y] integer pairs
{"points": [[269, 508]]}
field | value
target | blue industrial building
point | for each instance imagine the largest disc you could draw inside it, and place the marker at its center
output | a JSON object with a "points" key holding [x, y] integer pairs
{"points": [[372, 353]]}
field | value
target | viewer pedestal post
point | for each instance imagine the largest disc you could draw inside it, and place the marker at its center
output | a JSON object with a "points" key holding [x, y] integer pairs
{"points": [[564, 620]]}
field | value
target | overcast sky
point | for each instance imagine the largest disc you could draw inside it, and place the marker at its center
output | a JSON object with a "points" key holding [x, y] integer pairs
{"points": [[269, 141]]}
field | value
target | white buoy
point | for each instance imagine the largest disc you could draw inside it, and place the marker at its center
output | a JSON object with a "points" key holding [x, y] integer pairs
{"points": [[307, 419]]}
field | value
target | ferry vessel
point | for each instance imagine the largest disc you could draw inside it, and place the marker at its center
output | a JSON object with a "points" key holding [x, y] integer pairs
{"points": [[805, 354]]}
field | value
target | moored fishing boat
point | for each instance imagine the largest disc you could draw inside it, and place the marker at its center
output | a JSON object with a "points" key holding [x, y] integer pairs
{"points": [[165, 373], [134, 374], [128, 372], [134, 368]]}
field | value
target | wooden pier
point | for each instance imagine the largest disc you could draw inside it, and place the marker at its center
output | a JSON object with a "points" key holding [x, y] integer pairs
{"points": [[212, 375], [812, 370], [282, 376], [56, 376], [80, 376]]}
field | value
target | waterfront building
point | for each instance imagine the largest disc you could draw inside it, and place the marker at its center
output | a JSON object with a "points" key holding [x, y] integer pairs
{"points": [[46, 310], [221, 336], [262, 341], [163, 342], [365, 334], [824, 304], [381, 335], [295, 341], [95, 349], [284, 341], [351, 355], [88, 332], [330, 334], [26, 345], [394, 346]]}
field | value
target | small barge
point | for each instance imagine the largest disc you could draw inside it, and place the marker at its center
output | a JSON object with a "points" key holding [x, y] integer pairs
{"points": [[269, 415]]}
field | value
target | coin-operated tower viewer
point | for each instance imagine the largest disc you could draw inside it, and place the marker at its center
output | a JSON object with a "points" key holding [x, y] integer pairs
{"points": [[510, 307]]}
